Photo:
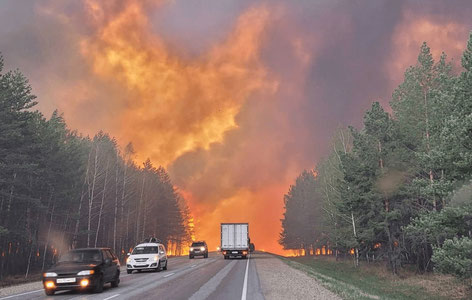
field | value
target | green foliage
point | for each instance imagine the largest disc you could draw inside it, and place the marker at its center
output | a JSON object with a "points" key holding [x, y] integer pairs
{"points": [[454, 257], [59, 189], [434, 227], [400, 186], [299, 225]]}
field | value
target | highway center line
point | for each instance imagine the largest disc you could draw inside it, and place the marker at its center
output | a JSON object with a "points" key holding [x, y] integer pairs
{"points": [[111, 297], [244, 294], [17, 295]]}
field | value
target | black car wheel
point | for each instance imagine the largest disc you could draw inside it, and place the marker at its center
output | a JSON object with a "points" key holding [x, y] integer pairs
{"points": [[49, 292], [99, 285], [129, 271], [165, 267], [116, 282], [205, 256], [190, 256], [158, 266]]}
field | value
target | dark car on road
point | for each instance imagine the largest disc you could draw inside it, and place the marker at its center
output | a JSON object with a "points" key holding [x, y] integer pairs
{"points": [[199, 248], [83, 269]]}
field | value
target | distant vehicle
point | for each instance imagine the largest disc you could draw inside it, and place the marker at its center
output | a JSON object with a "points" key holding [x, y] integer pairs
{"points": [[83, 269], [235, 239], [147, 256], [199, 248]]}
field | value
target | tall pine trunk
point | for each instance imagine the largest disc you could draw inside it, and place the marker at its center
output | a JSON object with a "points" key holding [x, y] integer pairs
{"points": [[101, 204], [91, 196]]}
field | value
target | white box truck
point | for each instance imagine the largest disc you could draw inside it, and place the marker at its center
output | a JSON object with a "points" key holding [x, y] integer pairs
{"points": [[234, 239]]}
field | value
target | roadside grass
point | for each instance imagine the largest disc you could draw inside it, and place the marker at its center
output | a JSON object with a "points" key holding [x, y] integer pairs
{"points": [[373, 281], [19, 279]]}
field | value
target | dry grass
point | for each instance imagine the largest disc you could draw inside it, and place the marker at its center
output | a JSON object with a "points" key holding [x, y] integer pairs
{"points": [[18, 279], [427, 286]]}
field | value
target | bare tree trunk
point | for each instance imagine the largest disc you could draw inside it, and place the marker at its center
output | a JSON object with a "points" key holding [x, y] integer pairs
{"points": [[101, 204], [82, 195], [123, 194], [29, 260], [356, 261], [47, 239], [90, 201], [144, 214], [116, 203], [139, 208], [428, 145], [10, 198]]}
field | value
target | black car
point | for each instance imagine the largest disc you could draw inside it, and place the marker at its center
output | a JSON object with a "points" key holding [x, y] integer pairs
{"points": [[198, 248], [83, 269]]}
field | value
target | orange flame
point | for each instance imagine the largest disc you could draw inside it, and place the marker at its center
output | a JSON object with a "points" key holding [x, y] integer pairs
{"points": [[181, 104]]}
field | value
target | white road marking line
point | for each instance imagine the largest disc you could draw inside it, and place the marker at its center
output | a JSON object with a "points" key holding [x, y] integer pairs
{"points": [[244, 294], [193, 266], [111, 297], [169, 275], [17, 295]]}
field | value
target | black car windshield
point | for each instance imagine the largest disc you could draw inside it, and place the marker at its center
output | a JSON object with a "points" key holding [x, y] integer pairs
{"points": [[80, 256], [198, 244], [145, 250]]}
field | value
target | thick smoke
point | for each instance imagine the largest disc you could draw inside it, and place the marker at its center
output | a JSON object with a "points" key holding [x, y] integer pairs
{"points": [[235, 98]]}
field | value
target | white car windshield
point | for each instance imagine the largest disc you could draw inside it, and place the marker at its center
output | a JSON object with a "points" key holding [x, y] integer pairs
{"points": [[145, 250]]}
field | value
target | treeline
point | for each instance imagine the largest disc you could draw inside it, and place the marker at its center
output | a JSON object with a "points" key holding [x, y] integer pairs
{"points": [[398, 190], [60, 190]]}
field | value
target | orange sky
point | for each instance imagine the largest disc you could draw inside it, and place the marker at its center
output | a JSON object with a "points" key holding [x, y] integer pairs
{"points": [[235, 99]]}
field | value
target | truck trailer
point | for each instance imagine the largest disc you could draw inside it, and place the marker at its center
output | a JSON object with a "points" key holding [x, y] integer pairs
{"points": [[235, 240]]}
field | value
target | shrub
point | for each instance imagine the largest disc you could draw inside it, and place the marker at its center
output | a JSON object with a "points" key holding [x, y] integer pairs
{"points": [[454, 257]]}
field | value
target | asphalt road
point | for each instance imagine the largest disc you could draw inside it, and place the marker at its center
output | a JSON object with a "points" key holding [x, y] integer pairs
{"points": [[198, 278]]}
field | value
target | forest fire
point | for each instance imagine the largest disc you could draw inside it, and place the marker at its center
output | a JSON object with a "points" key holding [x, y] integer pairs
{"points": [[178, 108], [186, 105], [234, 112]]}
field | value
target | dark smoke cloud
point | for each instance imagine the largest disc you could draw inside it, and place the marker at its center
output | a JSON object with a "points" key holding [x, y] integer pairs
{"points": [[330, 60]]}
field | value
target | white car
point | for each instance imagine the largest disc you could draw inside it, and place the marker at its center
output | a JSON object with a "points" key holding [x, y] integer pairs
{"points": [[147, 256]]}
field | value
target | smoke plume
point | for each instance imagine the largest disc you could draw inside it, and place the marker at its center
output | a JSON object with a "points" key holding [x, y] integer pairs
{"points": [[235, 98]]}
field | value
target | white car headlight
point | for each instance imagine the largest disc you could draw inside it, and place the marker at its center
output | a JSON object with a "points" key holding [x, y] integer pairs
{"points": [[128, 260], [86, 272], [156, 258], [50, 274], [202, 248], [191, 248]]}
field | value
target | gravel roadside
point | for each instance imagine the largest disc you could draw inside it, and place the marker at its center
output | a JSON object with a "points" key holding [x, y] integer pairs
{"points": [[17, 289], [280, 281]]}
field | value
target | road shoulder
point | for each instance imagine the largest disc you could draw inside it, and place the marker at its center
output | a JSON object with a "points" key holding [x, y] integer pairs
{"points": [[281, 281]]}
